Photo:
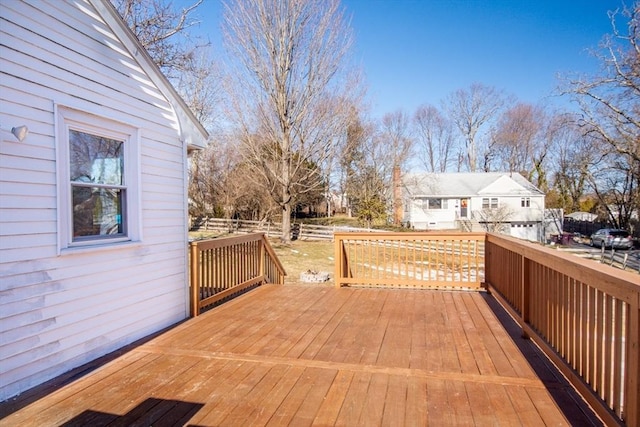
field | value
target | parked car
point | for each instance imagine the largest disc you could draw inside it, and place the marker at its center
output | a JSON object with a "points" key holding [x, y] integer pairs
{"points": [[612, 238]]}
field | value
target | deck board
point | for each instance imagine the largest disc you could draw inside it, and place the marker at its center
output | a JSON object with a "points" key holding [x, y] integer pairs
{"points": [[316, 355]]}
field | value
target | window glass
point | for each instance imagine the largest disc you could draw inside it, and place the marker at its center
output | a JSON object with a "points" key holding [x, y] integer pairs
{"points": [[489, 203], [95, 159], [98, 193], [619, 233], [97, 211], [435, 203]]}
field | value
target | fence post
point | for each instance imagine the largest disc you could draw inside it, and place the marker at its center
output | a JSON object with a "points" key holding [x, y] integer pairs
{"points": [[194, 294]]}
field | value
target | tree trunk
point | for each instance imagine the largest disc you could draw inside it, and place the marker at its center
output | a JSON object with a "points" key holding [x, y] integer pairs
{"points": [[286, 223]]}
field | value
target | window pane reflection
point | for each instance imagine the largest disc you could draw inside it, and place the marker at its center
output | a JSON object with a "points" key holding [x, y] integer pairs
{"points": [[96, 159], [97, 211]]}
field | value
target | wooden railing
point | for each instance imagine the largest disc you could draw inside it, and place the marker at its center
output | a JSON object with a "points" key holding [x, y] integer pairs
{"points": [[413, 260], [223, 267], [584, 315]]}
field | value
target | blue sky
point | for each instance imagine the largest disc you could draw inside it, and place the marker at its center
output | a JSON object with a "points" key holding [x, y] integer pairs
{"points": [[419, 51], [414, 52]]}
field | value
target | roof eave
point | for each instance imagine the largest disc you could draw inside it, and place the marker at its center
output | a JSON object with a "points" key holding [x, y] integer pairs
{"points": [[191, 131]]}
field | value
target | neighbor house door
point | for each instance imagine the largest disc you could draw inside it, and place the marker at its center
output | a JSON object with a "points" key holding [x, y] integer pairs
{"points": [[463, 208]]}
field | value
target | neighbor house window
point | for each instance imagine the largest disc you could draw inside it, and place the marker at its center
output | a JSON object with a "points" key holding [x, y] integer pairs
{"points": [[489, 203], [434, 204], [98, 184], [525, 202]]}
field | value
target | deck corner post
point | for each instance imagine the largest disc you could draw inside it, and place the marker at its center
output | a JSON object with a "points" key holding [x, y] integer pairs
{"points": [[632, 389], [261, 257], [525, 297], [194, 294]]}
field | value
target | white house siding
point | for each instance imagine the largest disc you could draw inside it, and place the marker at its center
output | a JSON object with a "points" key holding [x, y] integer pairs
{"points": [[431, 219], [59, 309]]}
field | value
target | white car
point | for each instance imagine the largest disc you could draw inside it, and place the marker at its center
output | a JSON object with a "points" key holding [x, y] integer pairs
{"points": [[612, 238]]}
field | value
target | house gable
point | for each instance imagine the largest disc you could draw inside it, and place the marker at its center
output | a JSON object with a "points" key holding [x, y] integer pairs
{"points": [[504, 186], [191, 130]]}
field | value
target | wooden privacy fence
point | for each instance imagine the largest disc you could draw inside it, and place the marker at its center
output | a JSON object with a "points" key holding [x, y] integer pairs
{"points": [[413, 260], [222, 267], [584, 315]]}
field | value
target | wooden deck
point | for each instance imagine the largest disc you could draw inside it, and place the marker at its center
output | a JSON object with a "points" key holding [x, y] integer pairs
{"points": [[315, 355]]}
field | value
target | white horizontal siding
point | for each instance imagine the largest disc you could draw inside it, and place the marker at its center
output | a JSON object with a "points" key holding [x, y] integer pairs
{"points": [[59, 311]]}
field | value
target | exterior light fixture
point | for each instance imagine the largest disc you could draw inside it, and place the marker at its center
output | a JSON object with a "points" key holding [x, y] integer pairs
{"points": [[20, 132]]}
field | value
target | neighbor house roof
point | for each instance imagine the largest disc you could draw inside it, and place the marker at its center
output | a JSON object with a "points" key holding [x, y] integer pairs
{"points": [[582, 216], [192, 133], [468, 184]]}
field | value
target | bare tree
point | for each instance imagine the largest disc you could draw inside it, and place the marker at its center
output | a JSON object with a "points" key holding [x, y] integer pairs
{"points": [[573, 159], [289, 59], [164, 32], [471, 111], [201, 88], [369, 185], [616, 184], [434, 138], [521, 143], [395, 133], [494, 220], [350, 152], [610, 104]]}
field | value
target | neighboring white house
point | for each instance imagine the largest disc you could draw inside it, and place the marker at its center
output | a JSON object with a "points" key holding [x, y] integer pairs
{"points": [[93, 201], [496, 201]]}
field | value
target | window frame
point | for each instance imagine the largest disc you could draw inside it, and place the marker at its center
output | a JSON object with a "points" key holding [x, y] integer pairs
{"points": [[490, 203], [72, 119], [427, 203], [525, 202]]}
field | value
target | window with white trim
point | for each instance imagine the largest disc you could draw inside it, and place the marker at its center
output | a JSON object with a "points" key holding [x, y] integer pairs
{"points": [[490, 203], [98, 182], [434, 204], [525, 202]]}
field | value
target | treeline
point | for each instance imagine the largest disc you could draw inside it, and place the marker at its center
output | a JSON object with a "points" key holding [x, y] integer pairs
{"points": [[290, 133]]}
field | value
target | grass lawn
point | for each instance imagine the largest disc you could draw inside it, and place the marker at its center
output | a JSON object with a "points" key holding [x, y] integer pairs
{"points": [[297, 257], [301, 256]]}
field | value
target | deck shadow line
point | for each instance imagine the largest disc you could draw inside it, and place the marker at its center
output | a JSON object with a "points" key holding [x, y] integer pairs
{"points": [[571, 404]]}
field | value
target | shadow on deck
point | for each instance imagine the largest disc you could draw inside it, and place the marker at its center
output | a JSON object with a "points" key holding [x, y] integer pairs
{"points": [[317, 355]]}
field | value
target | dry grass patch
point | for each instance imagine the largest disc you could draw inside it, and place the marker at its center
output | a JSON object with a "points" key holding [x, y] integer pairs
{"points": [[303, 255]]}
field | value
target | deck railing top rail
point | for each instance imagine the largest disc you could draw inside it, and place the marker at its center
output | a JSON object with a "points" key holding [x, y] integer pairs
{"points": [[620, 283]]}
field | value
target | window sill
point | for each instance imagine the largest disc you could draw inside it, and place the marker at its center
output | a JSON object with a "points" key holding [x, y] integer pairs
{"points": [[100, 247]]}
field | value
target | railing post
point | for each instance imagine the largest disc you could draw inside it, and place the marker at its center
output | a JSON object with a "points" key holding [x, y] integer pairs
{"points": [[632, 392], [194, 294], [262, 255], [337, 253], [525, 299]]}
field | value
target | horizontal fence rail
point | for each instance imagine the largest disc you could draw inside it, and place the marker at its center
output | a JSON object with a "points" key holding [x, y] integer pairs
{"points": [[298, 230], [413, 260], [223, 267], [583, 314]]}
